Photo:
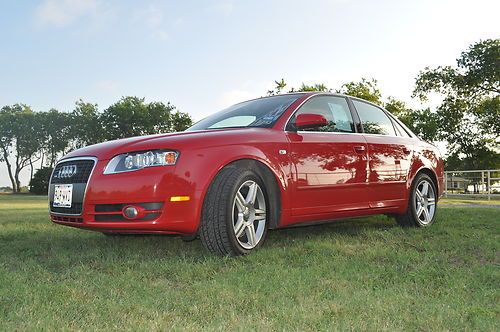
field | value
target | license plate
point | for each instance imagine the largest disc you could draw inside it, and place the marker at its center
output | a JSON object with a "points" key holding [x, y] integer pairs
{"points": [[63, 195]]}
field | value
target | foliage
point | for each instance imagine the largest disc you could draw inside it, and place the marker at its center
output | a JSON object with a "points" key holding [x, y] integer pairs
{"points": [[55, 132], [85, 125], [39, 184], [469, 114], [27, 136], [281, 84], [364, 89], [132, 116], [18, 139]]}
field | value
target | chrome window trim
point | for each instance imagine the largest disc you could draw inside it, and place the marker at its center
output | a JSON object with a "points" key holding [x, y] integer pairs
{"points": [[86, 185]]}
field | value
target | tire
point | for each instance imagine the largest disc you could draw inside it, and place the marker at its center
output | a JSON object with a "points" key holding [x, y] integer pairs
{"points": [[189, 238], [422, 203], [231, 225], [110, 234]]}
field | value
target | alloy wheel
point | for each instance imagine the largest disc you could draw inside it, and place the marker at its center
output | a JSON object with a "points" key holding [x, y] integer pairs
{"points": [[249, 214], [425, 202]]}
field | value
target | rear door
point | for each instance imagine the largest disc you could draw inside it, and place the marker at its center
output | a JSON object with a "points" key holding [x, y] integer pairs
{"points": [[331, 162], [389, 156]]}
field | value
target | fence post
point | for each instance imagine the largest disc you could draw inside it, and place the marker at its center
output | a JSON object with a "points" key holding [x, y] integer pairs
{"points": [[489, 185], [446, 184]]}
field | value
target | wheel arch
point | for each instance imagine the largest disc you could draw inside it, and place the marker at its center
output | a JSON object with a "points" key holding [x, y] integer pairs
{"points": [[431, 174], [268, 176]]}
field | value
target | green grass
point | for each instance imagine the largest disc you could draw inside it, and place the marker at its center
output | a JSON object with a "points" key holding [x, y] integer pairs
{"points": [[364, 274], [474, 201]]}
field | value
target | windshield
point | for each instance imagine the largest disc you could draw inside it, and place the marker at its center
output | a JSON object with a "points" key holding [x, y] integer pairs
{"points": [[262, 112]]}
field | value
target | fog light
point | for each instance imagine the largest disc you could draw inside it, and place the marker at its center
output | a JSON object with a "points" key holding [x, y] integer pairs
{"points": [[130, 212]]}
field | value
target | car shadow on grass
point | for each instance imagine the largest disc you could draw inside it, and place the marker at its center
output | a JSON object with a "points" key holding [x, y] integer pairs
{"points": [[58, 249]]}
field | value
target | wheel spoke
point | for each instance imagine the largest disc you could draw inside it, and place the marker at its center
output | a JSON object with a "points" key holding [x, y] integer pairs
{"points": [[250, 230], [240, 202], [419, 194], [252, 194], [431, 201], [425, 188], [427, 217], [239, 228], [420, 209], [260, 214]]}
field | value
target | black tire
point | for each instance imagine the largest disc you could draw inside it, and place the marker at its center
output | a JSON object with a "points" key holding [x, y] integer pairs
{"points": [[110, 234], [410, 217], [217, 230], [189, 238]]}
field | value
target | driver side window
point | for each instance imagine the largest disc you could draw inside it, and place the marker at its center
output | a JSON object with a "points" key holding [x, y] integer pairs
{"points": [[334, 109]]}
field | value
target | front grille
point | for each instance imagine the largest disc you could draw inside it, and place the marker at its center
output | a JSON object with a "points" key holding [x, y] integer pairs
{"points": [[76, 208], [67, 219], [83, 170]]}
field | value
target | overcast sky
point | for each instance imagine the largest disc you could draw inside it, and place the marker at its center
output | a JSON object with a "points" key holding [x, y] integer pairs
{"points": [[205, 55]]}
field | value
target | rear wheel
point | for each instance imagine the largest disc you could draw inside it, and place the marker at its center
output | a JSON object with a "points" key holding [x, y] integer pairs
{"points": [[422, 203], [234, 218]]}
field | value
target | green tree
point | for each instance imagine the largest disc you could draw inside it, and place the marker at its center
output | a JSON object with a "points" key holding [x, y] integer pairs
{"points": [[281, 85], [132, 116], [85, 125], [56, 134], [364, 89], [19, 140], [39, 184], [469, 114]]}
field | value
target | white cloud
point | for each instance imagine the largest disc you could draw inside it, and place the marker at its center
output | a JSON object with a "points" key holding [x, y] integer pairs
{"points": [[64, 12]]}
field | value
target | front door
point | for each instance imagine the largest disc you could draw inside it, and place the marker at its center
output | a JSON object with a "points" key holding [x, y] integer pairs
{"points": [[331, 162]]}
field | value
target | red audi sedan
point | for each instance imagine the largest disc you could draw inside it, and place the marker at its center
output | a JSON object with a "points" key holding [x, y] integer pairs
{"points": [[262, 164]]}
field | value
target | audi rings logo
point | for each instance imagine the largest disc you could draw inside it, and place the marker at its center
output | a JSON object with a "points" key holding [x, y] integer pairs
{"points": [[66, 171]]}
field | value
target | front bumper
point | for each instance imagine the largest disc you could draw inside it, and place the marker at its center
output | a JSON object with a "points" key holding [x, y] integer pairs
{"points": [[152, 188]]}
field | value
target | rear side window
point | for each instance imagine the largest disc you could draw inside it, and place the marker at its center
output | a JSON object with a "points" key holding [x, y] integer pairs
{"points": [[334, 109], [373, 119]]}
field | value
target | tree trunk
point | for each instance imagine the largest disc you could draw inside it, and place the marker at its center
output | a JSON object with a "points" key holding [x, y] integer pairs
{"points": [[9, 169], [31, 172]]}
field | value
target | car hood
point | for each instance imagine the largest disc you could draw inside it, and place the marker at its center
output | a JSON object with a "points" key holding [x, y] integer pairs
{"points": [[174, 141]]}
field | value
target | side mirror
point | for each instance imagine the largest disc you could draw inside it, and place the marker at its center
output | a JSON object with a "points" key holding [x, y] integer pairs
{"points": [[308, 121]]}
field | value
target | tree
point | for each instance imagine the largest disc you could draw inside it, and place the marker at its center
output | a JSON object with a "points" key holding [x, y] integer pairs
{"points": [[469, 114], [364, 89], [18, 139], [39, 184], [56, 134], [85, 125], [281, 85], [132, 116]]}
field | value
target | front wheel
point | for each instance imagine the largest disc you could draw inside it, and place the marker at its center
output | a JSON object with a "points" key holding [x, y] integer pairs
{"points": [[234, 217], [422, 203]]}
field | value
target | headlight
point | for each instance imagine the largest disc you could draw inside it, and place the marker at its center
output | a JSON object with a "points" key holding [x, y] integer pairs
{"points": [[137, 160]]}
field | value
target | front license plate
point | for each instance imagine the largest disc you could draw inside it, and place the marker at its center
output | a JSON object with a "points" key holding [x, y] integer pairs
{"points": [[63, 195]]}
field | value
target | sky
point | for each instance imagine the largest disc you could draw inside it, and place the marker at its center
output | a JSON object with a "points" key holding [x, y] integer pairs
{"points": [[203, 56]]}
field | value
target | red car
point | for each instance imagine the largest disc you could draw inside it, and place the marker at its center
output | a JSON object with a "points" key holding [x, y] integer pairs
{"points": [[262, 164]]}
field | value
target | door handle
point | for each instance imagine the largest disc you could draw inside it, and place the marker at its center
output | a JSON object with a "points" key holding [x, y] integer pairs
{"points": [[359, 148]]}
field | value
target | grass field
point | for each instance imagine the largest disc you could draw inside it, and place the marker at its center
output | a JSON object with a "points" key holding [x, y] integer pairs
{"points": [[363, 274]]}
